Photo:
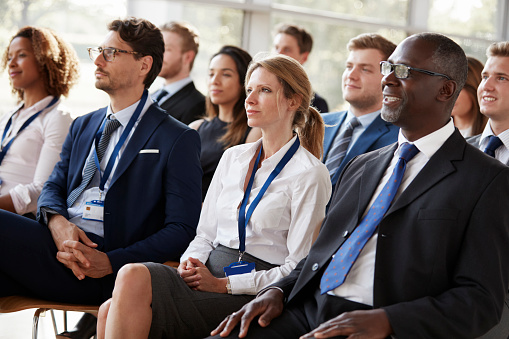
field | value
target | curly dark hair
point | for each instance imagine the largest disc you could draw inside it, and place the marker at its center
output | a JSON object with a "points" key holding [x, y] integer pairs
{"points": [[57, 60]]}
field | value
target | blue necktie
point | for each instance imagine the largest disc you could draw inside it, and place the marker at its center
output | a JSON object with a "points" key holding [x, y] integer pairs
{"points": [[338, 151], [493, 144], [344, 258], [90, 167]]}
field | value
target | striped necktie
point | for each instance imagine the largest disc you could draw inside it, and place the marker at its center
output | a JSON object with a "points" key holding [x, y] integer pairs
{"points": [[90, 167], [338, 151], [335, 274]]}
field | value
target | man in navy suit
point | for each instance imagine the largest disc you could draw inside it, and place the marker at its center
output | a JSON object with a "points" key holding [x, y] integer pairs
{"points": [[362, 89], [143, 204], [179, 97], [436, 263]]}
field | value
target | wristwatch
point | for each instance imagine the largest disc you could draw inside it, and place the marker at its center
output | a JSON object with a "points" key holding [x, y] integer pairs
{"points": [[228, 286]]}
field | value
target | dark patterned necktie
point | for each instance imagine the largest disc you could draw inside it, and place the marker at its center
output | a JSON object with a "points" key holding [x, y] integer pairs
{"points": [[344, 258], [90, 167], [161, 95], [338, 151], [493, 144]]}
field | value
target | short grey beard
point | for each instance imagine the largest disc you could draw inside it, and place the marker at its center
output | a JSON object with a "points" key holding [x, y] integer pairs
{"points": [[390, 116]]}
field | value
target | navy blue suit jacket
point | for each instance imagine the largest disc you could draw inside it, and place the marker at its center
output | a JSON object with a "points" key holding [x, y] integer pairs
{"points": [[379, 134], [152, 207]]}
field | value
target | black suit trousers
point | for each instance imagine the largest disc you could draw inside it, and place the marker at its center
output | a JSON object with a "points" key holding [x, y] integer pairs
{"points": [[28, 265], [302, 315]]}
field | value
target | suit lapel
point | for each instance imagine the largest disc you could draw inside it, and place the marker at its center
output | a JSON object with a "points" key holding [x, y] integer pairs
{"points": [[148, 123], [438, 167], [371, 176], [85, 141], [176, 98], [374, 131], [329, 137]]}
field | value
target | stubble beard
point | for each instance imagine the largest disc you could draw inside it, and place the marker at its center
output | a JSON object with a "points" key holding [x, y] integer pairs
{"points": [[391, 115]]}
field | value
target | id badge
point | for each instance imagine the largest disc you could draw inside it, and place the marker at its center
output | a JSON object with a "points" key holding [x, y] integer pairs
{"points": [[94, 210], [240, 267]]}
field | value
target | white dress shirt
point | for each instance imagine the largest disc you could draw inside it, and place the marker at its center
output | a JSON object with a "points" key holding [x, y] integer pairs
{"points": [[501, 153], [172, 88], [92, 190], [35, 151], [284, 224], [358, 285]]}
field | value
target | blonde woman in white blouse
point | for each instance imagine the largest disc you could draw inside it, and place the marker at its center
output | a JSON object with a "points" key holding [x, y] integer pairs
{"points": [[41, 68], [153, 300]]}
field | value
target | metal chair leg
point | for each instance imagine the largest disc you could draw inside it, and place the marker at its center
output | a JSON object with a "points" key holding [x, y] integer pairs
{"points": [[35, 325], [54, 322]]}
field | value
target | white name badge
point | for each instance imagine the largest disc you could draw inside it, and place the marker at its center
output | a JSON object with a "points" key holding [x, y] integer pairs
{"points": [[94, 210]]}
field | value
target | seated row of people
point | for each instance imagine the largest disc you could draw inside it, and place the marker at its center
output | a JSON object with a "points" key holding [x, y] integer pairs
{"points": [[136, 199]]}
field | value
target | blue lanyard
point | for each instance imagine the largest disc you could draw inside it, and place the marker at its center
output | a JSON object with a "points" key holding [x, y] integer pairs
{"points": [[104, 177], [4, 149], [243, 217]]}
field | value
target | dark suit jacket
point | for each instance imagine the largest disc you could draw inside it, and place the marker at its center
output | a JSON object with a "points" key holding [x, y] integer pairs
{"points": [[187, 105], [153, 204], [320, 103], [442, 256], [379, 134], [502, 329]]}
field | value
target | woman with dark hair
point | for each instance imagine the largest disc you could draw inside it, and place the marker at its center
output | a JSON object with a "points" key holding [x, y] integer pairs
{"points": [[466, 113], [261, 215], [41, 67], [225, 124]]}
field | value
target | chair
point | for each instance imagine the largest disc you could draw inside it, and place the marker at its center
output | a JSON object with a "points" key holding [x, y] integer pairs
{"points": [[17, 303]]}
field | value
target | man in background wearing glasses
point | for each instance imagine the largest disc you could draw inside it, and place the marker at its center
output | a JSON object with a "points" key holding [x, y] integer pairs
{"points": [[416, 240], [143, 204], [360, 129]]}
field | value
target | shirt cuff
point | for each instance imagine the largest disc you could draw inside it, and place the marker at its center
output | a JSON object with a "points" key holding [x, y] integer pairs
{"points": [[45, 212], [243, 283], [270, 288]]}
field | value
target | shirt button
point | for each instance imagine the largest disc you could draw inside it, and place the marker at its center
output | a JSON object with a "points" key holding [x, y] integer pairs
{"points": [[345, 234], [315, 267]]}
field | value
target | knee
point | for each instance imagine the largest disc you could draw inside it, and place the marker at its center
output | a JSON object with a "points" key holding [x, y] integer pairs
{"points": [[133, 278], [103, 311]]}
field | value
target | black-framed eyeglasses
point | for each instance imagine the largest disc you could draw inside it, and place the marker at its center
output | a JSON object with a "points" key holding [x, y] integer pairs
{"points": [[108, 53], [403, 71]]}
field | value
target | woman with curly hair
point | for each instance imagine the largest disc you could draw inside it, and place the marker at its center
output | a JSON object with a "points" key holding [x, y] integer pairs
{"points": [[225, 124], [42, 67]]}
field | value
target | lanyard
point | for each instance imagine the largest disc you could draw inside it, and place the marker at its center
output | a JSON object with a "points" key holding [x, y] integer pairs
{"points": [[5, 148], [243, 217], [104, 177]]}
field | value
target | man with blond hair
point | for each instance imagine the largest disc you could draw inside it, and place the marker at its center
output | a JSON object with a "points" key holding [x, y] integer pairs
{"points": [[493, 96], [360, 129], [179, 97]]}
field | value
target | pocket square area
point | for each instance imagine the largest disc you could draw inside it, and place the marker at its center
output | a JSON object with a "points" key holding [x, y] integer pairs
{"points": [[149, 151]]}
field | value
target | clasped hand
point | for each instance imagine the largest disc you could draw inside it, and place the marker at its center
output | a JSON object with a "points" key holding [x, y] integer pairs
{"points": [[198, 277], [76, 251]]}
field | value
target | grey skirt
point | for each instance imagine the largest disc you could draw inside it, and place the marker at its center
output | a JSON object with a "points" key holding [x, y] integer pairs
{"points": [[180, 312]]}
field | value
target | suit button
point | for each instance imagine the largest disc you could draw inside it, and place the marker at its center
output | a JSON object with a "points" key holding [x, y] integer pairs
{"points": [[345, 234], [315, 267]]}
